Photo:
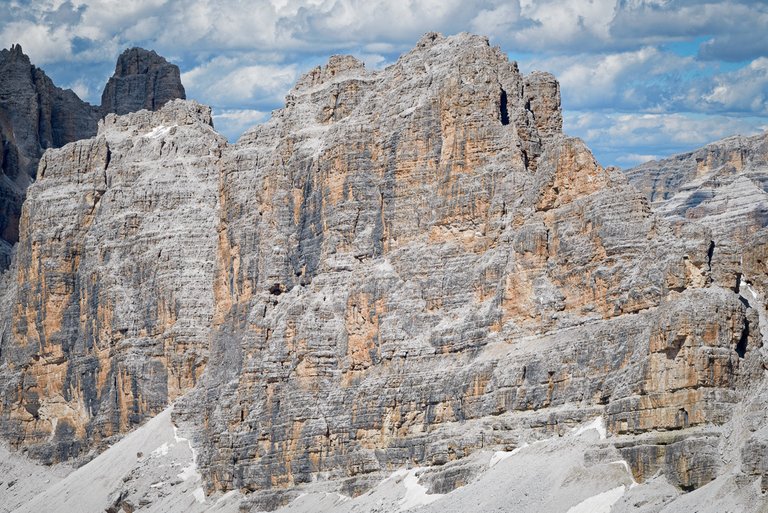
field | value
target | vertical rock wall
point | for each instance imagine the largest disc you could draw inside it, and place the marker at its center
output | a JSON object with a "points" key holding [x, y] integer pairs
{"points": [[114, 298], [400, 268]]}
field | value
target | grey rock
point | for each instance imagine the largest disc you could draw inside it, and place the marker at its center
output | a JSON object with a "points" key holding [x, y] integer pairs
{"points": [[36, 115], [123, 215], [401, 268], [142, 80]]}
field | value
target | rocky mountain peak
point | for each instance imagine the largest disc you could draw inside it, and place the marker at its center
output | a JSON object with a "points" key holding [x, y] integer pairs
{"points": [[409, 267], [36, 115], [15, 53], [142, 80], [338, 68], [138, 61]]}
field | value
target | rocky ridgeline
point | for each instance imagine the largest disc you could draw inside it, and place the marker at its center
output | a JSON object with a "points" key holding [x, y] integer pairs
{"points": [[36, 115], [400, 268]]}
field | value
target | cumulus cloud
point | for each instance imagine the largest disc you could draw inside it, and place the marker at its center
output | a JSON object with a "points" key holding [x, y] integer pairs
{"points": [[644, 78], [233, 122], [733, 30], [744, 90], [228, 81], [624, 138]]}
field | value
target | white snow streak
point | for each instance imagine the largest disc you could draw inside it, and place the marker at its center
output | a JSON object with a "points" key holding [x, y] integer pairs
{"points": [[600, 503], [596, 424]]}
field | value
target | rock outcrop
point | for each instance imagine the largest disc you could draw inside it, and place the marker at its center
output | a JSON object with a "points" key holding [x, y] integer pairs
{"points": [[401, 268], [36, 115], [142, 80], [114, 302]]}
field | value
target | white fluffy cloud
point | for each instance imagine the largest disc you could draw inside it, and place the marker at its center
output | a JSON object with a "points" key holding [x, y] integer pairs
{"points": [[231, 80], [624, 138], [632, 79], [744, 90], [233, 122]]}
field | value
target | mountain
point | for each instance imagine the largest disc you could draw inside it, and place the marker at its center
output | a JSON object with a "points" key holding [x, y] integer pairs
{"points": [[36, 115], [142, 80], [409, 288]]}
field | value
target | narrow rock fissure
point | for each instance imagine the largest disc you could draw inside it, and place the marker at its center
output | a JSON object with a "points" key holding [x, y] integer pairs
{"points": [[741, 346], [503, 108]]}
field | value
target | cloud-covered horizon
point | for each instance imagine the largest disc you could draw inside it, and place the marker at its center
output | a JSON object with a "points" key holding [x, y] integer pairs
{"points": [[640, 79]]}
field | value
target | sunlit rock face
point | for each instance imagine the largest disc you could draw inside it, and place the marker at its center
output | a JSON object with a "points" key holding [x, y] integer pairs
{"points": [[402, 267], [113, 299], [407, 258]]}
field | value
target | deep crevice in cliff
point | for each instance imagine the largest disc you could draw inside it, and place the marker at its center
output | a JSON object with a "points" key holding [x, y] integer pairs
{"points": [[741, 346], [503, 108]]}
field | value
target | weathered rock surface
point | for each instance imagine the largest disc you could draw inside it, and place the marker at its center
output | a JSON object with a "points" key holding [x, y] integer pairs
{"points": [[36, 115], [142, 80], [113, 305], [401, 268], [698, 174]]}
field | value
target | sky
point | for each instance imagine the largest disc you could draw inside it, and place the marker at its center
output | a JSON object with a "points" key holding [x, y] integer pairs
{"points": [[640, 79]]}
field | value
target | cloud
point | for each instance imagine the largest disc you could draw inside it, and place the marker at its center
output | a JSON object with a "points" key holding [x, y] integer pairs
{"points": [[733, 30], [634, 159], [565, 25], [623, 138], [744, 90], [228, 81], [81, 88], [627, 80], [233, 122], [45, 44]]}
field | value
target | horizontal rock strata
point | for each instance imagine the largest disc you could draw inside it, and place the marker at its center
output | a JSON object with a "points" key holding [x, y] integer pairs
{"points": [[400, 268]]}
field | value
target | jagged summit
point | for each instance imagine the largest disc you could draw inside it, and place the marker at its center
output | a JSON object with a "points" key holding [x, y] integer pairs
{"points": [[142, 80], [34, 115], [15, 52], [405, 268]]}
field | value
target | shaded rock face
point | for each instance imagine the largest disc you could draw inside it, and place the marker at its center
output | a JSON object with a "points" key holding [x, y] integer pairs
{"points": [[400, 268], [142, 80], [36, 115]]}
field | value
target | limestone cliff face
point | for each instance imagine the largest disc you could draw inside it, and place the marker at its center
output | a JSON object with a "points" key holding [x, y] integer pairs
{"points": [[36, 115], [113, 298], [408, 259], [700, 169], [400, 268], [723, 188]]}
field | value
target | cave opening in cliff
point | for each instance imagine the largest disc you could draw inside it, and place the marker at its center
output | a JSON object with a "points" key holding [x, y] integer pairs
{"points": [[741, 346], [503, 108]]}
